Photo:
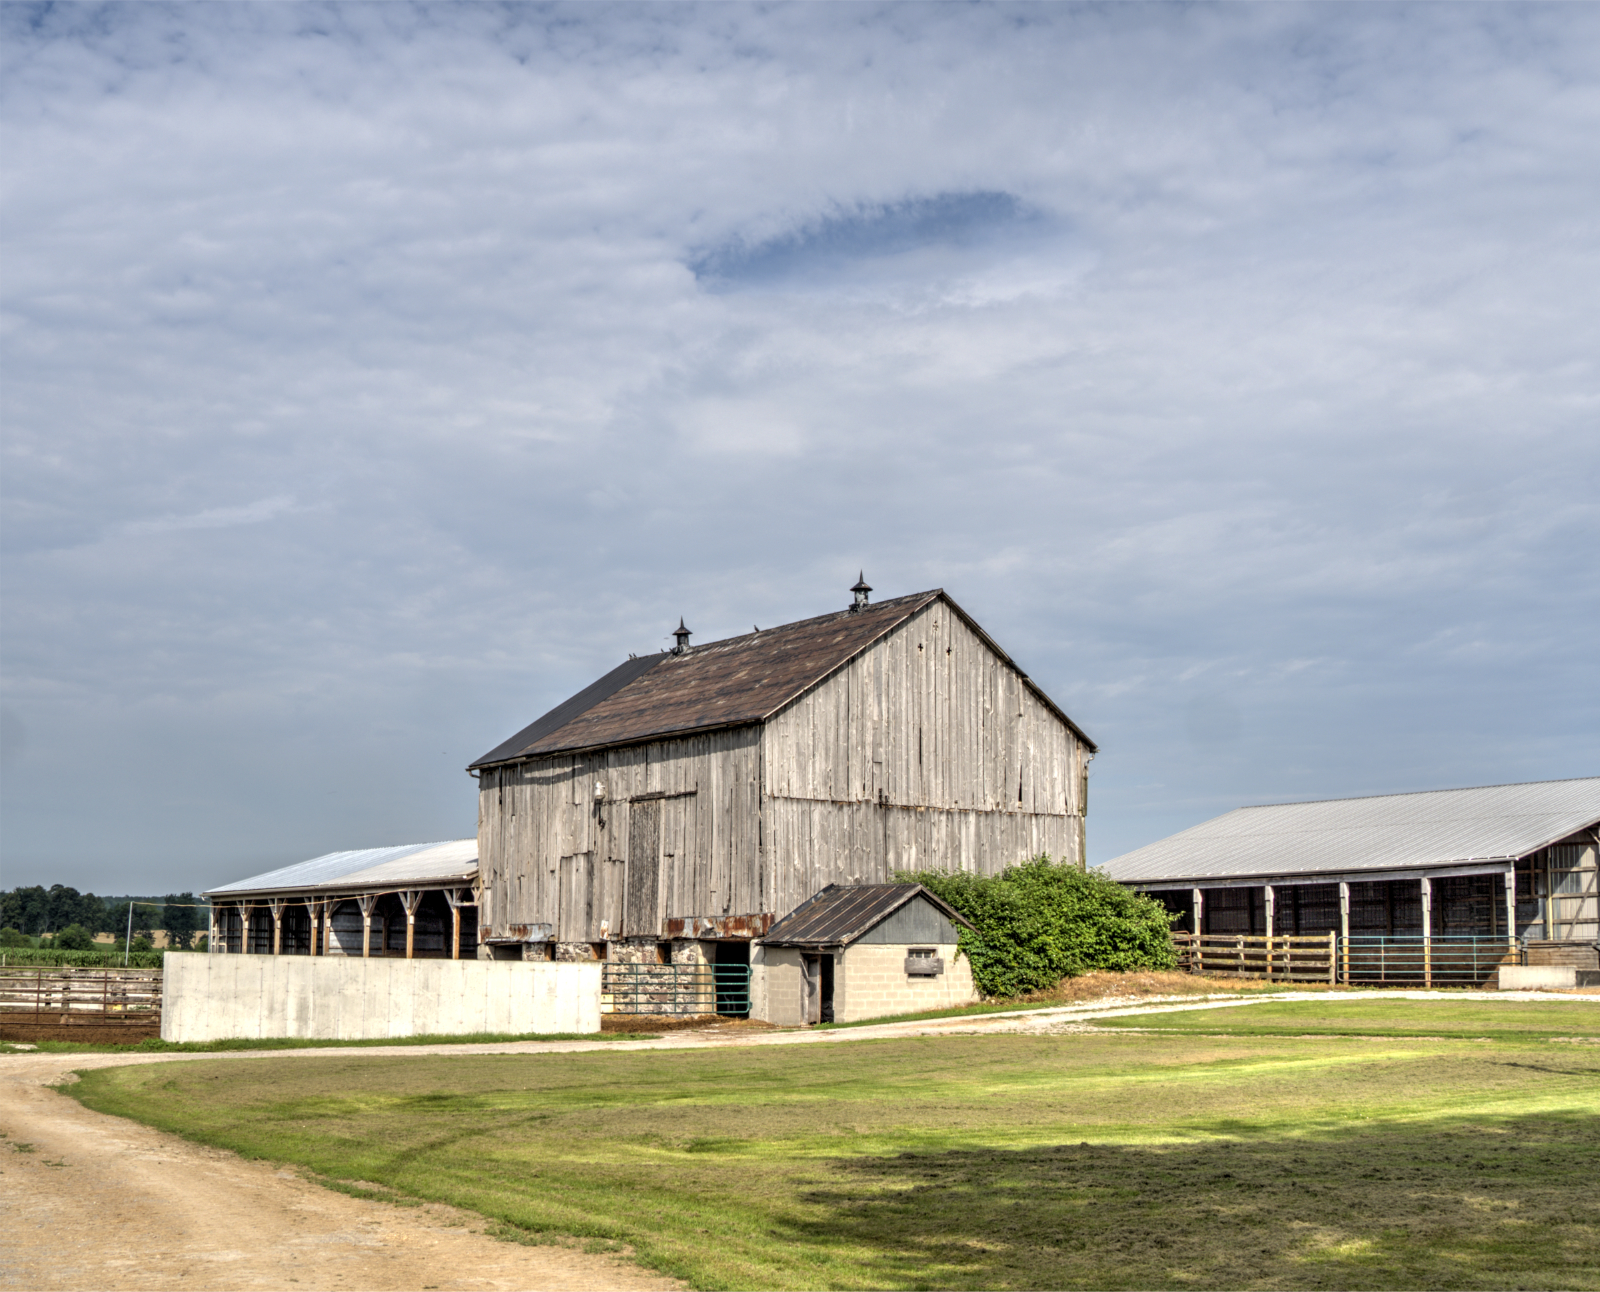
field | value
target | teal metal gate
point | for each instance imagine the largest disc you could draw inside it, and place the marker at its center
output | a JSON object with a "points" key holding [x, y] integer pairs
{"points": [[683, 991]]}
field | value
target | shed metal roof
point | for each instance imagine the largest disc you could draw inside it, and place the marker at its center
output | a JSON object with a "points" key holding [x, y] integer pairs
{"points": [[732, 683], [411, 865], [841, 913], [1437, 828]]}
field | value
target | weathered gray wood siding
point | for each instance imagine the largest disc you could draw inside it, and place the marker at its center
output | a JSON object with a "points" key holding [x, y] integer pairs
{"points": [[548, 853], [927, 752]]}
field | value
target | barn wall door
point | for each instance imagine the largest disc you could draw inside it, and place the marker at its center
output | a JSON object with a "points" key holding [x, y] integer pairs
{"points": [[644, 868]]}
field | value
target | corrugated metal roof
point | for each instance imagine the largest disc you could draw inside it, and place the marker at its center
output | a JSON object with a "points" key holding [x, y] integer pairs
{"points": [[841, 913], [736, 682], [411, 864], [1388, 832]]}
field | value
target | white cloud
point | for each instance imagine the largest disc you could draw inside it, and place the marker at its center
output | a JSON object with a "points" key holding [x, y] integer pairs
{"points": [[1181, 344], [216, 517]]}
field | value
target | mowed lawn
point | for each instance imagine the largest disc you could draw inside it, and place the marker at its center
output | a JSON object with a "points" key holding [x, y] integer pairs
{"points": [[1102, 1159]]}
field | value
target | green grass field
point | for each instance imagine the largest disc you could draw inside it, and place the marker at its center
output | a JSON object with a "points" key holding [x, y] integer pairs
{"points": [[1488, 1019], [1107, 1159]]}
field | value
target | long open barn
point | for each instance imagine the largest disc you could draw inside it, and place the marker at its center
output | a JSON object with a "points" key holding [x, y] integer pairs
{"points": [[1461, 873], [417, 901]]}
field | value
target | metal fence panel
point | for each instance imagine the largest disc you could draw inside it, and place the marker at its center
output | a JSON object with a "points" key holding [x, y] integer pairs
{"points": [[684, 991]]}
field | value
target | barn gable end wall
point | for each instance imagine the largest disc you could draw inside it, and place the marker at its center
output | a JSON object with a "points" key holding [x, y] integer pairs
{"points": [[927, 751]]}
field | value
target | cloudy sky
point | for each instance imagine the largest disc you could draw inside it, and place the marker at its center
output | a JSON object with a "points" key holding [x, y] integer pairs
{"points": [[376, 376]]}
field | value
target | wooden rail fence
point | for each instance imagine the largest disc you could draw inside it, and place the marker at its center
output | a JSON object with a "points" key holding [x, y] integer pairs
{"points": [[1292, 959], [87, 998]]}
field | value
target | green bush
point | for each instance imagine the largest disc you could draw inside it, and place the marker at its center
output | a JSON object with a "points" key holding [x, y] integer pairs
{"points": [[13, 938], [74, 938], [1036, 923]]}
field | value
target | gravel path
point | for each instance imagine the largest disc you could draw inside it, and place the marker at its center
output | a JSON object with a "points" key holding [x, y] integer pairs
{"points": [[101, 1202]]}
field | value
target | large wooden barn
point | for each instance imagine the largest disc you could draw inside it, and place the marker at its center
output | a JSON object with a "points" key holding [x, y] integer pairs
{"points": [[684, 801]]}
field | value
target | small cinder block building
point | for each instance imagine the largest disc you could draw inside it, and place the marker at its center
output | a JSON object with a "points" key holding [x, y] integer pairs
{"points": [[860, 951]]}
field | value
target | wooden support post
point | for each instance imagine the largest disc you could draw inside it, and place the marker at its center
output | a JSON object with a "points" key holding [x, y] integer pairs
{"points": [[277, 925], [211, 937], [1549, 895], [1344, 928], [315, 907], [455, 896], [366, 901], [1333, 957], [409, 898], [1271, 906], [1511, 909], [1427, 932], [1199, 911]]}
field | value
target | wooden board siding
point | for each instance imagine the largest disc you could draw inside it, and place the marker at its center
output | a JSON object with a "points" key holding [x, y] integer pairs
{"points": [[550, 854], [929, 717], [927, 752], [810, 845]]}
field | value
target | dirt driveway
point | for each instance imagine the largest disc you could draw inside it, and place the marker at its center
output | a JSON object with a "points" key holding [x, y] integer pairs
{"points": [[99, 1202]]}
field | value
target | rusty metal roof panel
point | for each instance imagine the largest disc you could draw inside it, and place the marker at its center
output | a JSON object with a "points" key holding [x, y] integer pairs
{"points": [[842, 913], [1388, 832]]}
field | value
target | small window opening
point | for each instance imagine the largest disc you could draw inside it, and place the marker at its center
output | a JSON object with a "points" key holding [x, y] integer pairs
{"points": [[664, 952], [600, 949]]}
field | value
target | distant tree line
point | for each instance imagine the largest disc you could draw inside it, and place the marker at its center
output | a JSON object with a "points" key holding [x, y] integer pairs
{"points": [[32, 912]]}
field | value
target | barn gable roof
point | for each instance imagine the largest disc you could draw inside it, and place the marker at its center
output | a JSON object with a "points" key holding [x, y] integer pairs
{"points": [[736, 682], [843, 913]]}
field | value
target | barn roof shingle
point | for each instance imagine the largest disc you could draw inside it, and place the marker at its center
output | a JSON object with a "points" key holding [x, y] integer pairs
{"points": [[731, 683]]}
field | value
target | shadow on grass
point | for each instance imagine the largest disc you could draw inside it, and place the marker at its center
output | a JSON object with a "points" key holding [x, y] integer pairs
{"points": [[1484, 1205]]}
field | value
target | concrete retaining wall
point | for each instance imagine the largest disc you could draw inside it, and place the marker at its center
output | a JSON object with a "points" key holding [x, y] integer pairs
{"points": [[1537, 977], [211, 997]]}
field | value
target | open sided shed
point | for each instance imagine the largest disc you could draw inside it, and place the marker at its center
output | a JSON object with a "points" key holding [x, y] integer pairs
{"points": [[861, 951], [1497, 864], [417, 901]]}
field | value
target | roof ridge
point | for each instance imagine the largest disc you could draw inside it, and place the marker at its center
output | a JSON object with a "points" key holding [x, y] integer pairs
{"points": [[1406, 794], [850, 611]]}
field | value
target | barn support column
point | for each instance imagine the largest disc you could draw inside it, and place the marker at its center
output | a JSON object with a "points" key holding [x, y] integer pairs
{"points": [[1427, 932], [366, 901], [455, 896], [211, 937], [410, 898], [1271, 905], [1344, 927], [1511, 908], [315, 907], [277, 926], [1199, 910]]}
